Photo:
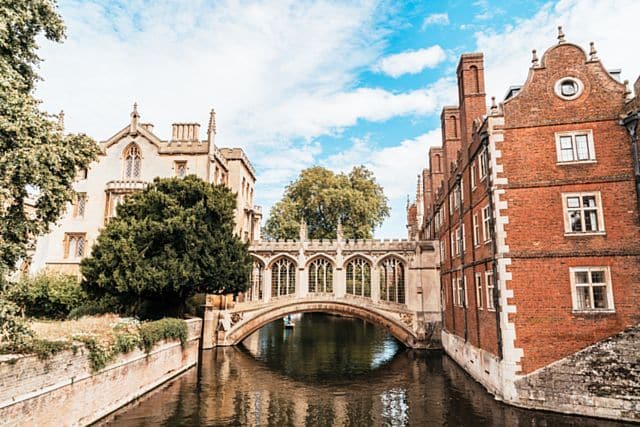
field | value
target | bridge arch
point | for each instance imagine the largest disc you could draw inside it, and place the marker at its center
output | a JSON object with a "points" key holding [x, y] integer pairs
{"points": [[389, 321]]}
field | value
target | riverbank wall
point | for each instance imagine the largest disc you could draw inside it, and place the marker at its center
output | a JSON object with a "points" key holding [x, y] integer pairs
{"points": [[602, 380], [64, 391]]}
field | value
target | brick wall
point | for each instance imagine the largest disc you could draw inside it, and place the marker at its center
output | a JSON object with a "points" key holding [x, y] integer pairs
{"points": [[63, 390]]}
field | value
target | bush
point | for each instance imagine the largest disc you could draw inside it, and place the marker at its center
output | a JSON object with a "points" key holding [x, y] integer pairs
{"points": [[163, 329], [47, 295], [103, 305], [14, 332]]}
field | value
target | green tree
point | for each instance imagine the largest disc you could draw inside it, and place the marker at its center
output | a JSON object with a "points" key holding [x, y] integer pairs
{"points": [[167, 243], [36, 158], [321, 198]]}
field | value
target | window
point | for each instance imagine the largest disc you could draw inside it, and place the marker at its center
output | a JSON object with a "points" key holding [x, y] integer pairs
{"points": [[483, 164], [486, 224], [283, 277], [451, 202], [473, 174], [392, 280], [257, 281], [583, 213], [462, 292], [591, 289], [459, 240], [568, 88], [442, 250], [82, 173], [453, 244], [74, 245], [461, 190], [321, 276], [180, 168], [476, 230], [478, 280], [490, 285], [132, 160], [572, 147], [79, 205], [359, 277]]}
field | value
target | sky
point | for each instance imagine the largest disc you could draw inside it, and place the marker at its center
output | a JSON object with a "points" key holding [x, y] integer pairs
{"points": [[302, 83]]}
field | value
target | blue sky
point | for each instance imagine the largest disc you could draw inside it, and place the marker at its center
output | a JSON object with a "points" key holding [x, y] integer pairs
{"points": [[300, 83]]}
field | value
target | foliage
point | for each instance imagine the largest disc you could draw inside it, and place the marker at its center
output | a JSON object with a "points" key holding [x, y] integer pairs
{"points": [[14, 332], [163, 329], [46, 295], [36, 159], [95, 307], [321, 198], [167, 243]]}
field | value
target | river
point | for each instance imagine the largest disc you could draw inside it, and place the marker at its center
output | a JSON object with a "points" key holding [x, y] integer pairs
{"points": [[327, 371]]}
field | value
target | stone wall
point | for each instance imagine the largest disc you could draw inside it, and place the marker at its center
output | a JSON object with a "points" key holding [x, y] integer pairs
{"points": [[602, 380], [63, 390]]}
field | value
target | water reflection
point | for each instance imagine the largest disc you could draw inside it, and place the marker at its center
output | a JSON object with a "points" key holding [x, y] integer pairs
{"points": [[328, 371]]}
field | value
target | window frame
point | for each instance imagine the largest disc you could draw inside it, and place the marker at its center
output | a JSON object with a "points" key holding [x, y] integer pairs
{"points": [[486, 224], [77, 236], [573, 134], [568, 231], [484, 166], [490, 289], [472, 173], [476, 230], [176, 168], [608, 289]]}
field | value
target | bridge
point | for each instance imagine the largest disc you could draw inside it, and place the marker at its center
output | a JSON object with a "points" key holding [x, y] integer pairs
{"points": [[390, 283]]}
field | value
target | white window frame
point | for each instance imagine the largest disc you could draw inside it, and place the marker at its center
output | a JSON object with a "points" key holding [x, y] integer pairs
{"points": [[451, 197], [454, 244], [484, 167], [486, 224], [461, 189], [488, 277], [567, 218], [574, 292], [478, 283], [476, 231], [443, 246], [573, 134], [473, 174]]}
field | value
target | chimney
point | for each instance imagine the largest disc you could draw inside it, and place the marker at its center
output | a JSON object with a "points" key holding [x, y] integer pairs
{"points": [[147, 126], [185, 132], [471, 96], [451, 134]]}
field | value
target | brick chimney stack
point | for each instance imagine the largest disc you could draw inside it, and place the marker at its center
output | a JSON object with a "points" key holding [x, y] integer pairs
{"points": [[471, 95]]}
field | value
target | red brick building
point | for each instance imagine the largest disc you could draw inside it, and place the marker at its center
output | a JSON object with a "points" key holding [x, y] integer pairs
{"points": [[535, 205]]}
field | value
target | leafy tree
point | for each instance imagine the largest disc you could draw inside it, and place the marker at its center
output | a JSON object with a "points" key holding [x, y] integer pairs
{"points": [[36, 158], [167, 243], [321, 198]]}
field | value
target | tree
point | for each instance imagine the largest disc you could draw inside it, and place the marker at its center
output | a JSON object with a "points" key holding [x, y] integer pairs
{"points": [[36, 159], [167, 243], [321, 198]]}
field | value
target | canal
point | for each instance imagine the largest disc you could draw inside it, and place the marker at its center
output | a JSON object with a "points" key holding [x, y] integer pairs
{"points": [[327, 371]]}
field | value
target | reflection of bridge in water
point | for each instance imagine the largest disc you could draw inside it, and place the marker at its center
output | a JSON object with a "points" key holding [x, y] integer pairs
{"points": [[391, 283]]}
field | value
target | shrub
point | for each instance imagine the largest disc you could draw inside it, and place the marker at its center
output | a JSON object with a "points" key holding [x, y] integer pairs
{"points": [[163, 329], [103, 305], [14, 332], [47, 295]]}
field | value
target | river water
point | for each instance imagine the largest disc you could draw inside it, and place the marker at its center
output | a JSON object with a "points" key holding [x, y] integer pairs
{"points": [[327, 371]]}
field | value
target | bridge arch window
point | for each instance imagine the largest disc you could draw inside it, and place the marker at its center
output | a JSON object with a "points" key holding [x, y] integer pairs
{"points": [[132, 161], [320, 276], [392, 280], [359, 277], [283, 277], [257, 281]]}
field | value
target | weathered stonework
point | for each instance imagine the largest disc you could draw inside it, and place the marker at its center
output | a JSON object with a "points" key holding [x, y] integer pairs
{"points": [[63, 390]]}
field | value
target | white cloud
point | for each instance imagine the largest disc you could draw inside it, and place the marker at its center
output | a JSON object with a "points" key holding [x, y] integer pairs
{"points": [[411, 61], [508, 52], [435, 19]]}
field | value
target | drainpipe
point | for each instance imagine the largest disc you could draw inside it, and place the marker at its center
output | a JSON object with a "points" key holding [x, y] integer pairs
{"points": [[631, 124], [461, 243], [494, 246]]}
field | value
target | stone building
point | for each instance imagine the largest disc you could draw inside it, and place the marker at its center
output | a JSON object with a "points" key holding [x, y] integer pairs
{"points": [[534, 203], [128, 162]]}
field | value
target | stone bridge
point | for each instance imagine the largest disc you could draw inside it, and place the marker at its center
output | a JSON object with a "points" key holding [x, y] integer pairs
{"points": [[390, 283]]}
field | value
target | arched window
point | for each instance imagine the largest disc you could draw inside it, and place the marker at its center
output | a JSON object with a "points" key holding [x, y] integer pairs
{"points": [[475, 79], [283, 277], [257, 281], [454, 125], [359, 277], [392, 280], [132, 162], [320, 276]]}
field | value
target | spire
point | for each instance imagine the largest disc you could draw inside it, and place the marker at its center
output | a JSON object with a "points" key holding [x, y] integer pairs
{"points": [[211, 130], [61, 120], [560, 35], [303, 231], [135, 117], [339, 231], [534, 59], [593, 52], [494, 107]]}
